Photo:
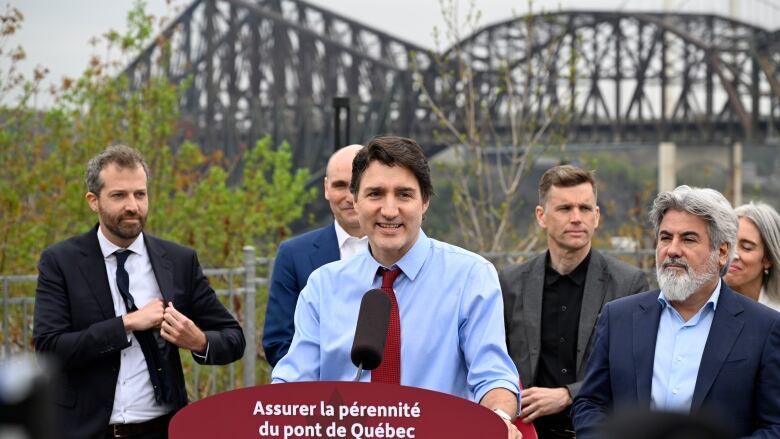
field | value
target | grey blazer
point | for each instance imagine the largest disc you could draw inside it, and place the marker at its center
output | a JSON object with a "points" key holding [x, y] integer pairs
{"points": [[522, 287]]}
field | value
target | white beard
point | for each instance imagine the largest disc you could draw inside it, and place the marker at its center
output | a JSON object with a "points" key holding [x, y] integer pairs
{"points": [[679, 286]]}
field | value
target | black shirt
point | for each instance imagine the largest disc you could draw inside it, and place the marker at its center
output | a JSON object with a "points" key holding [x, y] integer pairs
{"points": [[561, 304]]}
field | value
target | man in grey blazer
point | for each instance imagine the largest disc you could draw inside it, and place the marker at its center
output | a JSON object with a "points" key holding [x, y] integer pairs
{"points": [[552, 301]]}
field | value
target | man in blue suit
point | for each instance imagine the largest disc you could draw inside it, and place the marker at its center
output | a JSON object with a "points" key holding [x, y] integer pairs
{"points": [[694, 346], [299, 256]]}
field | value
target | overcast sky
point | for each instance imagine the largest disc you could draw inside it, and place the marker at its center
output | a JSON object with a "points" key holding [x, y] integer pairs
{"points": [[56, 33]]}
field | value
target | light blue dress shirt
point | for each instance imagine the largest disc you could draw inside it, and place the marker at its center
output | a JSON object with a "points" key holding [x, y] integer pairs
{"points": [[452, 324], [678, 350]]}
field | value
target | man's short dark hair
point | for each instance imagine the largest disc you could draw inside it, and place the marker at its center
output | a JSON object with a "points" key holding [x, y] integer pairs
{"points": [[123, 156], [564, 176], [391, 151]]}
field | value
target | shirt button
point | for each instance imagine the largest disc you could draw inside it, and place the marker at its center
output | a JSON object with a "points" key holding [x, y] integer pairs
{"points": [[562, 340], [564, 371], [679, 358], [675, 391], [563, 308]]}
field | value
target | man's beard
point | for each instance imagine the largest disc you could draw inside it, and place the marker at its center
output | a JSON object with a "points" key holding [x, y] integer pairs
{"points": [[679, 286], [121, 229]]}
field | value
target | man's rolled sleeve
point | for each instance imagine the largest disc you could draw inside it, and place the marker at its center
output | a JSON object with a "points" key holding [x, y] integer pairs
{"points": [[482, 334]]}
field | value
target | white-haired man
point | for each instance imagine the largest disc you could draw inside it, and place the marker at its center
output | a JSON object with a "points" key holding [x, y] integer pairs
{"points": [[695, 346]]}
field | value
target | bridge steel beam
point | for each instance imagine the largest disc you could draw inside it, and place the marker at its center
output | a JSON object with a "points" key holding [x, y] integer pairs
{"points": [[273, 67]]}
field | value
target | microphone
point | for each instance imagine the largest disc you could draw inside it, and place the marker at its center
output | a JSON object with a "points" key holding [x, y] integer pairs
{"points": [[371, 331]]}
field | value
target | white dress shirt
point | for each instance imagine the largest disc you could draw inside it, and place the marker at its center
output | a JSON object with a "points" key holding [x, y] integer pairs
{"points": [[348, 244], [134, 397]]}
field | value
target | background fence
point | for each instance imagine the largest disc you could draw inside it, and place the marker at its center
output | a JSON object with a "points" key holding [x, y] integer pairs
{"points": [[243, 291]]}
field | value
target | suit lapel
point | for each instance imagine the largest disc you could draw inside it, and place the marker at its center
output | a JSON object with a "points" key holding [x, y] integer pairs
{"points": [[161, 265], [592, 301], [326, 247], [532, 310], [725, 330], [93, 268], [645, 319]]}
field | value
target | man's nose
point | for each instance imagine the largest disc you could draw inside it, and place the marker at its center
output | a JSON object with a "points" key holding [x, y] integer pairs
{"points": [[389, 207], [132, 203], [675, 248]]}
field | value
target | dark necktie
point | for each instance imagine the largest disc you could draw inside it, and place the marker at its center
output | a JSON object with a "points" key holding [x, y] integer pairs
{"points": [[152, 355], [389, 371]]}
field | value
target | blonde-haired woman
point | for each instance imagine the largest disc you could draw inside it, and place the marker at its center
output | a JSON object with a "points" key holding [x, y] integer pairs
{"points": [[754, 271]]}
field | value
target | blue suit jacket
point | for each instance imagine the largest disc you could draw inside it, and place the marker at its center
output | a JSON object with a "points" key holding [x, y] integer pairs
{"points": [[739, 375], [295, 260]]}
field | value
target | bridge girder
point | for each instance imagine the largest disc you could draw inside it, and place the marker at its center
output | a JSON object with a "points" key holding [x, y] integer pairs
{"points": [[273, 67]]}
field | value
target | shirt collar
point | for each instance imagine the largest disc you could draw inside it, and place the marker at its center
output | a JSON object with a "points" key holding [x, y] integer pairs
{"points": [[411, 263], [713, 298], [577, 275], [108, 248], [342, 236]]}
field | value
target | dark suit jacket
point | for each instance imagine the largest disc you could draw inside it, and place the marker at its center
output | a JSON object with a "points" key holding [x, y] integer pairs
{"points": [[739, 374], [76, 325], [523, 287], [295, 261]]}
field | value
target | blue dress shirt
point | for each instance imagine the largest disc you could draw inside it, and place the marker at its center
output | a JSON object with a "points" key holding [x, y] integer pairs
{"points": [[452, 325], [678, 350]]}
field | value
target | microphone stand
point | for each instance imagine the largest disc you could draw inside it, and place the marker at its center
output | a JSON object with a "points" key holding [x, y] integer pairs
{"points": [[359, 373]]}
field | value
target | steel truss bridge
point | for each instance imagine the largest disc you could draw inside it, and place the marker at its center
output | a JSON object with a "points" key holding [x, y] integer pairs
{"points": [[274, 66]]}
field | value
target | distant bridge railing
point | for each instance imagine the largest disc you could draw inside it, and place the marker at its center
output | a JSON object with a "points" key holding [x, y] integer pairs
{"points": [[238, 288]]}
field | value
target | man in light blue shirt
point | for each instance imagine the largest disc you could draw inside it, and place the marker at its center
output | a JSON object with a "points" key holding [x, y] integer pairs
{"points": [[695, 346], [678, 350], [298, 257], [448, 299]]}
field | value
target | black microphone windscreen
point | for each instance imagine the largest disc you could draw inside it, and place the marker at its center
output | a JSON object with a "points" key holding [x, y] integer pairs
{"points": [[371, 330]]}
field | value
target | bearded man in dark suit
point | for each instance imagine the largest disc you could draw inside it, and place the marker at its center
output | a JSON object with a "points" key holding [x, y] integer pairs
{"points": [[694, 345], [114, 305]]}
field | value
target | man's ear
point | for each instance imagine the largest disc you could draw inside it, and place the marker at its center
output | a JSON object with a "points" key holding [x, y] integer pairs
{"points": [[723, 254], [92, 200], [598, 217], [539, 211], [325, 188]]}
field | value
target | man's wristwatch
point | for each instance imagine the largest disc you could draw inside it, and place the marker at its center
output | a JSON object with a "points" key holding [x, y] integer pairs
{"points": [[504, 415]]}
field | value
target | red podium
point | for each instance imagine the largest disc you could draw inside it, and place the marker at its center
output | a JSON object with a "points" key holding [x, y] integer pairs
{"points": [[332, 409]]}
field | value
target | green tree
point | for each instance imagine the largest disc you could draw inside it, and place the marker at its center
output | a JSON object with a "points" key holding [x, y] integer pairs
{"points": [[194, 198], [43, 154]]}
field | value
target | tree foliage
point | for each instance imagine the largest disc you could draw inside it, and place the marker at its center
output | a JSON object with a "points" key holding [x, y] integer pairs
{"points": [[43, 156]]}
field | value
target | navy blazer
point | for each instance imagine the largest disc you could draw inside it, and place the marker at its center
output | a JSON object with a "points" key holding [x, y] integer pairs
{"points": [[295, 261], [76, 325], [739, 374]]}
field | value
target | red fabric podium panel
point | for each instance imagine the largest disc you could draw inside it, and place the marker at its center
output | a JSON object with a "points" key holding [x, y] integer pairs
{"points": [[331, 409]]}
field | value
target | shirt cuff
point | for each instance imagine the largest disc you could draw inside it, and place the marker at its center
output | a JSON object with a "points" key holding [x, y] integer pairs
{"points": [[205, 355]]}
